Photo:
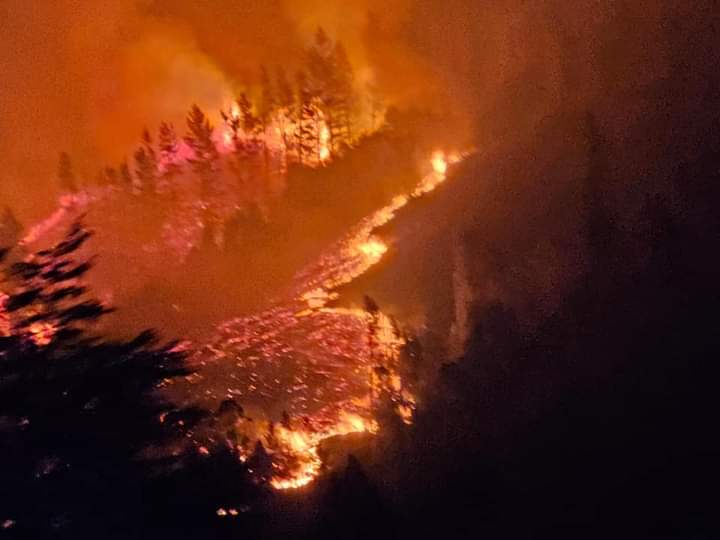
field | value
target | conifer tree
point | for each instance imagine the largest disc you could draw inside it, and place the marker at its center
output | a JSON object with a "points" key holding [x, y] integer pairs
{"points": [[79, 409], [169, 149], [125, 176], [307, 132], [251, 124], [146, 164], [287, 108], [341, 99], [167, 143], [205, 154], [268, 99], [285, 94], [320, 66], [144, 171]]}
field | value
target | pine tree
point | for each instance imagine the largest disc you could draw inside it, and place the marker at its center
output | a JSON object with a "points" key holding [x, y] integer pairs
{"points": [[251, 124], [341, 99], [169, 159], [169, 149], [268, 105], [205, 164], [287, 108], [125, 177], [330, 82], [205, 154], [144, 170], [320, 65], [146, 164], [268, 99], [79, 408], [285, 94], [66, 176], [308, 129]]}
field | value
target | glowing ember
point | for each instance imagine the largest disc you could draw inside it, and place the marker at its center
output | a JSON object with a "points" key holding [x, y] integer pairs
{"points": [[326, 370]]}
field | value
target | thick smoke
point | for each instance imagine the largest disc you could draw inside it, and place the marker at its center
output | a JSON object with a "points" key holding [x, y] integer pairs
{"points": [[87, 77]]}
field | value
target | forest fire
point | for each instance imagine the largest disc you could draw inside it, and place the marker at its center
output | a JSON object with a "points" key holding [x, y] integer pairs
{"points": [[359, 269], [326, 368], [439, 163]]}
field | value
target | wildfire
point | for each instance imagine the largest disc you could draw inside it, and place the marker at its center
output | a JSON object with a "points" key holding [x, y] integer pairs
{"points": [[41, 333], [324, 143], [304, 444], [439, 163], [374, 248], [332, 369], [235, 110]]}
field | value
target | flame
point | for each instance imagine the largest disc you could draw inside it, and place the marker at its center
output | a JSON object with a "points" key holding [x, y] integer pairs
{"points": [[324, 143], [303, 446], [41, 333], [357, 351], [235, 110], [374, 248], [439, 163], [363, 250]]}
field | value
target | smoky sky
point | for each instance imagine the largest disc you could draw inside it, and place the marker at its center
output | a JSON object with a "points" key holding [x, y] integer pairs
{"points": [[86, 77]]}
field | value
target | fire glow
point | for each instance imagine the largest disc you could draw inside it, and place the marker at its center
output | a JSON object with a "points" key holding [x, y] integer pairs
{"points": [[355, 352], [330, 365]]}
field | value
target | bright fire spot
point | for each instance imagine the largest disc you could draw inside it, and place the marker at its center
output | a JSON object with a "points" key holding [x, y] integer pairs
{"points": [[373, 248], [235, 110], [439, 163], [324, 143], [303, 445], [227, 137], [41, 333]]}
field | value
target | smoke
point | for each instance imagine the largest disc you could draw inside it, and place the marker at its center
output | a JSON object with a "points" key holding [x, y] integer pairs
{"points": [[87, 77]]}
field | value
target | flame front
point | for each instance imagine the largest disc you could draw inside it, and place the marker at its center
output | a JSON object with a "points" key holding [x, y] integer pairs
{"points": [[329, 367]]}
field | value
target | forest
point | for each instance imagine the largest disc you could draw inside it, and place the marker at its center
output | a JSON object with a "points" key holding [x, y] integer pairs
{"points": [[426, 270]]}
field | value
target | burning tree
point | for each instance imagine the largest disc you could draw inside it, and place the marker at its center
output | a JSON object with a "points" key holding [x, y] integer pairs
{"points": [[308, 128]]}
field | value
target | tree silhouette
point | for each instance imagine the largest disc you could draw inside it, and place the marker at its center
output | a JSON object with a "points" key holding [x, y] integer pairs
{"points": [[125, 176], [169, 148], [79, 410], [205, 154], [146, 164]]}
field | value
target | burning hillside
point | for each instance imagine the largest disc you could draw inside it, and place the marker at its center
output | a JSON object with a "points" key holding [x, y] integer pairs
{"points": [[306, 369], [358, 269]]}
